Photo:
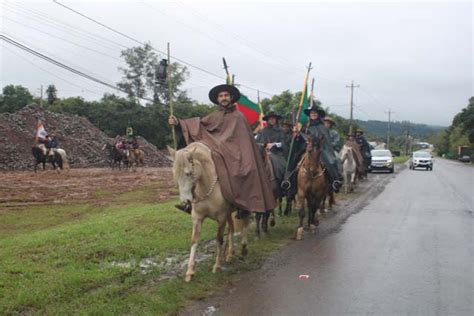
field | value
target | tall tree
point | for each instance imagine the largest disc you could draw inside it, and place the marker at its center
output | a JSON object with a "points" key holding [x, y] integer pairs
{"points": [[139, 75], [51, 94], [14, 98]]}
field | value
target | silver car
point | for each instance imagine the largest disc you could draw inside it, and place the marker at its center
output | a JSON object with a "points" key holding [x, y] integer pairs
{"points": [[421, 159], [382, 159]]}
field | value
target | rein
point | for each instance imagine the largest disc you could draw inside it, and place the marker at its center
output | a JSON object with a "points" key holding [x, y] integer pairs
{"points": [[310, 173]]}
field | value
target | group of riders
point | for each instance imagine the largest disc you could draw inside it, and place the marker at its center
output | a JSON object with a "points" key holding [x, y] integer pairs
{"points": [[129, 142], [282, 140], [278, 135]]}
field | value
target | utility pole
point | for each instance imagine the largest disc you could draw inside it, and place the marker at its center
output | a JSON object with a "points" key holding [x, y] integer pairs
{"points": [[41, 96], [389, 112], [407, 139], [352, 86]]}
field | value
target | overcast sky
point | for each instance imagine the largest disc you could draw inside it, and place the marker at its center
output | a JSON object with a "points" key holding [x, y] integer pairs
{"points": [[415, 58]]}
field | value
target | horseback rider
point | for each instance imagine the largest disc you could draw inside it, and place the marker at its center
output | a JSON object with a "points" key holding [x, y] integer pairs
{"points": [[317, 129], [273, 138], [335, 139], [238, 164], [364, 147], [287, 129], [351, 142], [120, 144], [51, 144]]}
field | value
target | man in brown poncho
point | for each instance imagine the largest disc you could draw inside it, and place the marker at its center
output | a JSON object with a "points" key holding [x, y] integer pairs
{"points": [[234, 151]]}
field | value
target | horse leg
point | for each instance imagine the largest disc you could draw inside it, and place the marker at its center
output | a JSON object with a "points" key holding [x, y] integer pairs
{"points": [[332, 199], [197, 223], [273, 220], [266, 216], [353, 181], [230, 239], [244, 236], [219, 246], [258, 218], [312, 209]]}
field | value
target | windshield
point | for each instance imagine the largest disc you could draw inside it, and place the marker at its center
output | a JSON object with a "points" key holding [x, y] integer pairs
{"points": [[381, 153], [421, 154]]}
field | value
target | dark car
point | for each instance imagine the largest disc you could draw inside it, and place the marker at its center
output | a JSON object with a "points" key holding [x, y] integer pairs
{"points": [[465, 158]]}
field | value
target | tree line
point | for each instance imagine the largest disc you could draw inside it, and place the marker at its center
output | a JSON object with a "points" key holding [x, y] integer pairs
{"points": [[459, 133]]}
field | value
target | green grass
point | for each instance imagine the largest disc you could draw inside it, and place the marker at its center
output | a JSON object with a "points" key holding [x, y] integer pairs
{"points": [[401, 159], [60, 259]]}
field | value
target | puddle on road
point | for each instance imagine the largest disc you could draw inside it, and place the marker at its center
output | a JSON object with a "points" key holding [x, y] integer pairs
{"points": [[171, 266]]}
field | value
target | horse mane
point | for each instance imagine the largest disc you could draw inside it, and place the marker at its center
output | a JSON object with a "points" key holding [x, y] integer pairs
{"points": [[199, 152]]}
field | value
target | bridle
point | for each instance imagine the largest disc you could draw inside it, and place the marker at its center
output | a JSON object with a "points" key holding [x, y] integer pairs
{"points": [[197, 199], [310, 173]]}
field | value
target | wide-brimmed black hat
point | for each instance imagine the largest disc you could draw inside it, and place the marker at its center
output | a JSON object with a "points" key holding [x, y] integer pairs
{"points": [[233, 91], [272, 114], [320, 111]]}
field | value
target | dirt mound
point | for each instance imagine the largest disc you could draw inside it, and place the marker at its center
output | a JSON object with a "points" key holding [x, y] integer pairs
{"points": [[82, 141]]}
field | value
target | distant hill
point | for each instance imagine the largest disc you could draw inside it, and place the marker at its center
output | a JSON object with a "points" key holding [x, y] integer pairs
{"points": [[379, 128]]}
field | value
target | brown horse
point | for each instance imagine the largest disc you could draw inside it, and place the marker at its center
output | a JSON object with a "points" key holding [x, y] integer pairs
{"points": [[312, 186], [135, 157], [195, 173]]}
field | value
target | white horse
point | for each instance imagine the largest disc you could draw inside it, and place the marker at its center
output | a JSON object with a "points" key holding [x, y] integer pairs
{"points": [[195, 173], [349, 167]]}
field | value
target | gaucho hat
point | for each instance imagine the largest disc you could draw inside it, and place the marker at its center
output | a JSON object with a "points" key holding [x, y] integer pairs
{"points": [[272, 114], [320, 111], [233, 91]]}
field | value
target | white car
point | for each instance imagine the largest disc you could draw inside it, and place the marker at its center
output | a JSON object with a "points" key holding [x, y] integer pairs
{"points": [[421, 159], [382, 159]]}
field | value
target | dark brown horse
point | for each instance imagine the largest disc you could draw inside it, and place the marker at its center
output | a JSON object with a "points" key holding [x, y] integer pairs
{"points": [[261, 219], [312, 186]]}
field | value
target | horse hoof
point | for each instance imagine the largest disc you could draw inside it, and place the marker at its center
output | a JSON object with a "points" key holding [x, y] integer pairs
{"points": [[272, 223], [299, 233], [216, 269], [312, 228], [244, 251], [188, 277], [228, 259]]}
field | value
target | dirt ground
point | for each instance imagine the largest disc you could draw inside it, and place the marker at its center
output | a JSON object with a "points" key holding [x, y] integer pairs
{"points": [[99, 186]]}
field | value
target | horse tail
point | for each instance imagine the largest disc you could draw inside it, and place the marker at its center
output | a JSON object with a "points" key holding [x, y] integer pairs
{"points": [[63, 155]]}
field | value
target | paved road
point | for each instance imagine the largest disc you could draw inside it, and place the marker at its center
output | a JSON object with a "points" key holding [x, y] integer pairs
{"points": [[409, 251]]}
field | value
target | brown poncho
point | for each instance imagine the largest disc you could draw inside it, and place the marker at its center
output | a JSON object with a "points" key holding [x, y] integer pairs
{"points": [[234, 151]]}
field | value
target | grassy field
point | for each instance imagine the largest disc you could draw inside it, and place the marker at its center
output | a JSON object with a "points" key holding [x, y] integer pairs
{"points": [[401, 159], [109, 259]]}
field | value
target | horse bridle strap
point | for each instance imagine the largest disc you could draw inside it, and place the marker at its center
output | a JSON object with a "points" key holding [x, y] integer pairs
{"points": [[211, 188], [312, 175]]}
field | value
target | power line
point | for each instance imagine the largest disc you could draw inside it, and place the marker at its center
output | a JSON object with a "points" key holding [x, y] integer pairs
{"points": [[41, 17], [63, 39], [142, 43], [49, 72], [59, 64]]}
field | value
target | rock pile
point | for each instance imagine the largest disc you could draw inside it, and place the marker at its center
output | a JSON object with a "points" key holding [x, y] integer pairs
{"points": [[82, 141]]}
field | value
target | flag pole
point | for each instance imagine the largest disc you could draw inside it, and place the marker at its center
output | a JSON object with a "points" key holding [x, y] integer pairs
{"points": [[170, 96], [311, 101], [286, 184]]}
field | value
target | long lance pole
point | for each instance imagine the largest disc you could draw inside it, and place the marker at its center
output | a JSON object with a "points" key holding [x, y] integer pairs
{"points": [[170, 96], [229, 79], [296, 121], [311, 99]]}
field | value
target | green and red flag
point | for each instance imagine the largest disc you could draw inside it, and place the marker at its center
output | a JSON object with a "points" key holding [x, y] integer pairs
{"points": [[250, 109]]}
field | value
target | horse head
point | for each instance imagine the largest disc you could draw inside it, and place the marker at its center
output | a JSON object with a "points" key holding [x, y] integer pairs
{"points": [[187, 170]]}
